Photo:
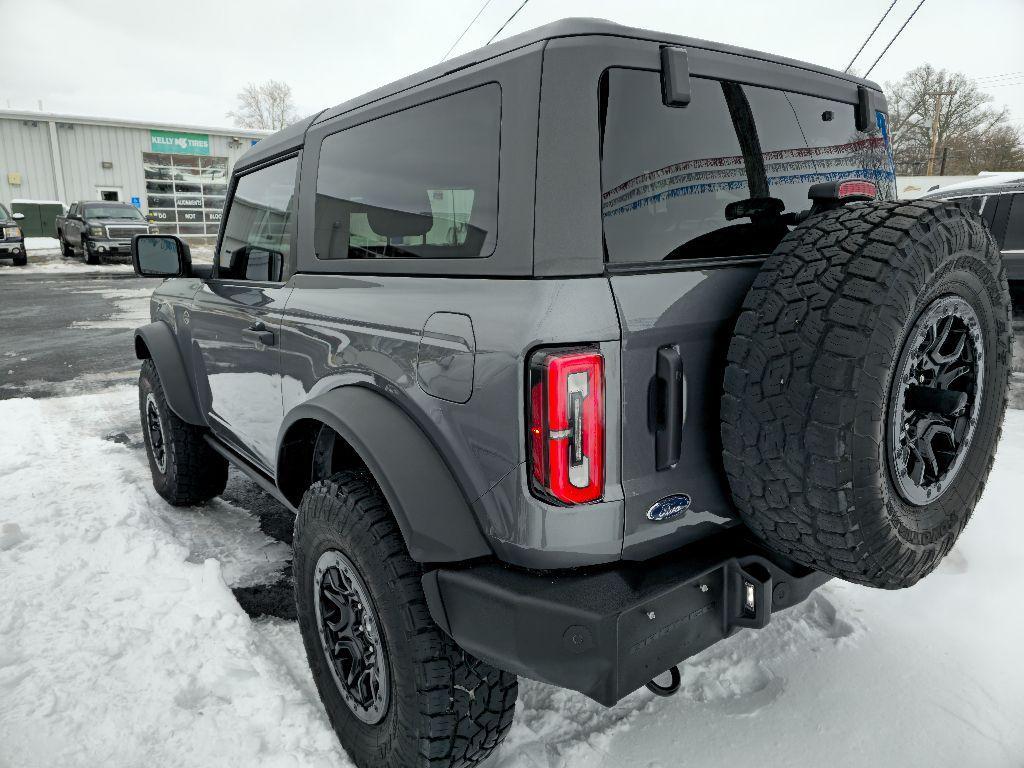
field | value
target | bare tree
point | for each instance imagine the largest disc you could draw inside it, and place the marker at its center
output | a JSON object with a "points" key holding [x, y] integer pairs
{"points": [[266, 105], [972, 135]]}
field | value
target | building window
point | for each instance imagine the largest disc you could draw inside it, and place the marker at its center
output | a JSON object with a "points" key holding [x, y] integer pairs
{"points": [[185, 193]]}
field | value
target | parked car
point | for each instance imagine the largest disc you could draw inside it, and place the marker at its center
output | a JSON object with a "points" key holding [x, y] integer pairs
{"points": [[1000, 201], [12, 242], [572, 377], [100, 230]]}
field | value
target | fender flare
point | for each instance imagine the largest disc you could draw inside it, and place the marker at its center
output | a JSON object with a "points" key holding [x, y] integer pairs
{"points": [[435, 518], [162, 347]]}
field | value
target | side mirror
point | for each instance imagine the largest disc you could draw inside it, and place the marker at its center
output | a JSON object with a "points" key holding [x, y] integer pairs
{"points": [[18, 216], [161, 256]]}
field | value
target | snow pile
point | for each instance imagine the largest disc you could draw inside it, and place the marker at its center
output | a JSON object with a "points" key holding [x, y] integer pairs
{"points": [[37, 246], [116, 649], [121, 643], [50, 261]]}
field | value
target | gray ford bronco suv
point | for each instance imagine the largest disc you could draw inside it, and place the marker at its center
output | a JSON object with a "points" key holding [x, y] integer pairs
{"points": [[573, 356]]}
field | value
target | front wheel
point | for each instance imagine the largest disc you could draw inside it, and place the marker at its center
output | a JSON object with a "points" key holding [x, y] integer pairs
{"points": [[65, 250], [186, 470], [397, 690], [90, 258]]}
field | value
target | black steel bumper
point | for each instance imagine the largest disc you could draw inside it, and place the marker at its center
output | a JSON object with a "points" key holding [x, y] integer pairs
{"points": [[606, 632]]}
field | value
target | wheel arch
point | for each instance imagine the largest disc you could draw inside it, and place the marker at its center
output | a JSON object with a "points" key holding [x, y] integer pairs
{"points": [[371, 431], [156, 342]]}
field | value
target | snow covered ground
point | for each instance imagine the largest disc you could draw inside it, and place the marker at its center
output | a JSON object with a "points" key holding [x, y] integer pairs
{"points": [[44, 257], [121, 643]]}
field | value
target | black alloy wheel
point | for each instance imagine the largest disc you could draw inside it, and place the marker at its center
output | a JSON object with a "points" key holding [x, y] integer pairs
{"points": [[155, 427], [936, 399], [350, 636]]}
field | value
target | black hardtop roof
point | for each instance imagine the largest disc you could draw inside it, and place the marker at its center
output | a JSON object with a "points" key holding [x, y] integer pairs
{"points": [[291, 137]]}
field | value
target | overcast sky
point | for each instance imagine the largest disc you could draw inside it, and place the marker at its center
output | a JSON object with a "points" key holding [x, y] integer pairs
{"points": [[184, 61]]}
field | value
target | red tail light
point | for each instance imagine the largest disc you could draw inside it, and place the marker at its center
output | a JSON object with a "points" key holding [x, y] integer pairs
{"points": [[857, 189], [566, 425]]}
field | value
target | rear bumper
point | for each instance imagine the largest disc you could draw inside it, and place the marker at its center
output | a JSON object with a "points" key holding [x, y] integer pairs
{"points": [[606, 632]]}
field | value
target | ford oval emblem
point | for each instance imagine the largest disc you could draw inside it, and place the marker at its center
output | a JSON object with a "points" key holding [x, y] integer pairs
{"points": [[669, 508]]}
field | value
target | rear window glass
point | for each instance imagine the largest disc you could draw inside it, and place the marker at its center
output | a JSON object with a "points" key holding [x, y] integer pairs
{"points": [[421, 183], [670, 175]]}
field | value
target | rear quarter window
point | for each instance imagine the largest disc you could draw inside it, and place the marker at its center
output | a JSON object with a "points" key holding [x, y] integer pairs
{"points": [[420, 183], [669, 175], [1013, 240]]}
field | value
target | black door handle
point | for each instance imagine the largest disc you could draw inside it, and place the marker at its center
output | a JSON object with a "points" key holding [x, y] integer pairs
{"points": [[258, 334], [670, 408]]}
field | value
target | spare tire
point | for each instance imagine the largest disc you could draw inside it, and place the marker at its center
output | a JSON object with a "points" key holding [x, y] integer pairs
{"points": [[866, 386]]}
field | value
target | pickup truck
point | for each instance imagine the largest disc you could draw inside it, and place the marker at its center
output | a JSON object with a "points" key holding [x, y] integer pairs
{"points": [[12, 241], [100, 230]]}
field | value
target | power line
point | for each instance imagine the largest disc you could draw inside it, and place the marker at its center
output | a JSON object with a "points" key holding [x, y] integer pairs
{"points": [[898, 33], [1000, 75], [868, 38], [459, 38], [502, 27]]}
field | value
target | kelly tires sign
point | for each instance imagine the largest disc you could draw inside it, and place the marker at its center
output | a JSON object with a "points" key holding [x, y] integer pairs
{"points": [[180, 143]]}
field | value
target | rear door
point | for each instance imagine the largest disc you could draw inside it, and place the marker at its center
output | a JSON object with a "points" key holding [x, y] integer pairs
{"points": [[236, 316], [681, 259]]}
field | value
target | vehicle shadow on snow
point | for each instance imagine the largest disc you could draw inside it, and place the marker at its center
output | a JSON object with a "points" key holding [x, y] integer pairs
{"points": [[277, 522]]}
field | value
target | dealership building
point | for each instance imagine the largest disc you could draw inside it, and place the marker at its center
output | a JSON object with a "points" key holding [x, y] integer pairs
{"points": [[176, 174]]}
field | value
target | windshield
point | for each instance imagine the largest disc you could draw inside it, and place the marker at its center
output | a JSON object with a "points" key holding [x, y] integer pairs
{"points": [[112, 212]]}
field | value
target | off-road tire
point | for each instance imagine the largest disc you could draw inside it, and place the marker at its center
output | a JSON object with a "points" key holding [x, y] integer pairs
{"points": [[20, 261], [809, 382], [65, 250], [193, 471], [445, 708]]}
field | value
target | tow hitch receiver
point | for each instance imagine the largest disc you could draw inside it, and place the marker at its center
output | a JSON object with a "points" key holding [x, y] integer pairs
{"points": [[607, 631]]}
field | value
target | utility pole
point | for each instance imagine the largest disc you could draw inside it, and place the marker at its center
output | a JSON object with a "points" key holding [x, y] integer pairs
{"points": [[935, 128]]}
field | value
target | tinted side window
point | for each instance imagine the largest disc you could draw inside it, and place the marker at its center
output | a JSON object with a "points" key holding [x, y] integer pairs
{"points": [[1013, 240], [715, 178], [996, 210], [258, 230], [421, 183]]}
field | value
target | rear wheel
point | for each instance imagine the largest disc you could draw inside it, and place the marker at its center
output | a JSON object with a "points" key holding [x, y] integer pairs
{"points": [[186, 470], [397, 690], [866, 387]]}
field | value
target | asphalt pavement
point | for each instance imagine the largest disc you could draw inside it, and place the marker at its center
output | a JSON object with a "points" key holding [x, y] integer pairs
{"points": [[68, 331]]}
